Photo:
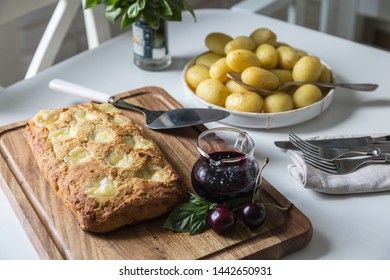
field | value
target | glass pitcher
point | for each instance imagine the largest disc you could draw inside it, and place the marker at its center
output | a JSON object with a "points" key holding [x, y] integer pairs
{"points": [[226, 168]]}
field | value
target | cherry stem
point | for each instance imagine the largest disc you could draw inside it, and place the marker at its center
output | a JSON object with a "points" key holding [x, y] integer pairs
{"points": [[259, 178], [279, 207]]}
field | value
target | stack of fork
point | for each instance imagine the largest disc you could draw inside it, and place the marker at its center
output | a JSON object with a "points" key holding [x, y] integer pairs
{"points": [[343, 169], [337, 160]]}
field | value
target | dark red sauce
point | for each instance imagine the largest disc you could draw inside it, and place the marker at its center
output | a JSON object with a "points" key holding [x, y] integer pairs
{"points": [[227, 180]]}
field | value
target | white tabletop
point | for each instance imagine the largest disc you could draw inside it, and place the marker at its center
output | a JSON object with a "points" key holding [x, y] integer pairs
{"points": [[344, 226]]}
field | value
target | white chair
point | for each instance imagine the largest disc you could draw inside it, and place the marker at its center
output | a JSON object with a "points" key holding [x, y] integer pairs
{"points": [[343, 18], [97, 27], [337, 17], [296, 9]]}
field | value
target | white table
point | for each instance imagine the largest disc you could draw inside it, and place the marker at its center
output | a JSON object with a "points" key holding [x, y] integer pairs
{"points": [[345, 226]]}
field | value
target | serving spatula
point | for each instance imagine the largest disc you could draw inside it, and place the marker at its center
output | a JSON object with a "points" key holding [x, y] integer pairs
{"points": [[176, 118]]}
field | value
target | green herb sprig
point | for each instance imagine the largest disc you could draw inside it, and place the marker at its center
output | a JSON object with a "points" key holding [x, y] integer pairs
{"points": [[192, 216], [151, 11]]}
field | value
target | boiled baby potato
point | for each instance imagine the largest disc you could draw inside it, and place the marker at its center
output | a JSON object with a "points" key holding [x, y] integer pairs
{"points": [[263, 62], [280, 44], [307, 69], [207, 59], [267, 55], [217, 41], [278, 102], [212, 91], [239, 60], [259, 77], [232, 86], [241, 42], [264, 35], [301, 53], [244, 101], [219, 69], [195, 74], [326, 75], [287, 57], [306, 95], [284, 75]]}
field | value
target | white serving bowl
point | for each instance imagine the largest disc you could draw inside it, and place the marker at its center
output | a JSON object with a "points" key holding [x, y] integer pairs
{"points": [[262, 120]]}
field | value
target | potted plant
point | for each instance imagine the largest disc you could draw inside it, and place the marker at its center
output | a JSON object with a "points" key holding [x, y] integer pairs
{"points": [[148, 19]]}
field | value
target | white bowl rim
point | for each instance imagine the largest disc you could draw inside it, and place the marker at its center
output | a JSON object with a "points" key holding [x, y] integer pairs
{"points": [[328, 95]]}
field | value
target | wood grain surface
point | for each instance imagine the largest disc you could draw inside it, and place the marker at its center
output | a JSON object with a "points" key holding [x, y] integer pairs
{"points": [[55, 234]]}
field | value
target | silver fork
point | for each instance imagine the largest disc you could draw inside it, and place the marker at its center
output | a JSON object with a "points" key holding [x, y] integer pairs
{"points": [[331, 153], [344, 165], [337, 165], [263, 92]]}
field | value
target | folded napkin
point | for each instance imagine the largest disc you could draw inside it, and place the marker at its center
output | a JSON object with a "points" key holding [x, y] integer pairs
{"points": [[370, 178]]}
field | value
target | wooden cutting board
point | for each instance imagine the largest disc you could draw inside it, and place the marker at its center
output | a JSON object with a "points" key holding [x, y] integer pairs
{"points": [[55, 234]]}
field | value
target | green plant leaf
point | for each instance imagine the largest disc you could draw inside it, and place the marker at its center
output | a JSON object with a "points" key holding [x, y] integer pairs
{"points": [[166, 10], [125, 21], [154, 22], [152, 11], [141, 4], [175, 14], [113, 13], [133, 10], [91, 3], [111, 2], [188, 7]]}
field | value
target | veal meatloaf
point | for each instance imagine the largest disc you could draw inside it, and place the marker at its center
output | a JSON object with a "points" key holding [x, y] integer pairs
{"points": [[102, 166]]}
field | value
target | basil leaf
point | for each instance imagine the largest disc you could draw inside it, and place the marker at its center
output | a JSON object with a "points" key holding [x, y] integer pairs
{"points": [[198, 226], [197, 200], [180, 218], [190, 217], [199, 221]]}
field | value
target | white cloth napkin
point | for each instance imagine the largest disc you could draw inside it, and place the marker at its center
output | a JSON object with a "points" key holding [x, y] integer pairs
{"points": [[370, 178]]}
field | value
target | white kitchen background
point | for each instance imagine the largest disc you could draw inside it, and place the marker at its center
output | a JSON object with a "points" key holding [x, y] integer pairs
{"points": [[19, 38]]}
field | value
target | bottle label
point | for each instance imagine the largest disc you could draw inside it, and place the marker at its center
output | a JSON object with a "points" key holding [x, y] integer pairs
{"points": [[148, 42]]}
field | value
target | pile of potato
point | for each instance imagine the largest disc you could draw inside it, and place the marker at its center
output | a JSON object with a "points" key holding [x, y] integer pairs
{"points": [[263, 62]]}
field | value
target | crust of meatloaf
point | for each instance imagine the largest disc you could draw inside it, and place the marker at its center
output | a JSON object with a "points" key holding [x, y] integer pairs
{"points": [[102, 166]]}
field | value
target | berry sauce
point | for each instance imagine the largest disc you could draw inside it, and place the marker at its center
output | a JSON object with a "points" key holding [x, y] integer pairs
{"points": [[227, 180]]}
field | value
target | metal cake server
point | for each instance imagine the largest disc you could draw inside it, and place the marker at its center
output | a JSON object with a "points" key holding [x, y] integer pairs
{"points": [[176, 118]]}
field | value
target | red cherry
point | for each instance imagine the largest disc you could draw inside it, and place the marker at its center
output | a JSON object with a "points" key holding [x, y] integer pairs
{"points": [[254, 214], [221, 219]]}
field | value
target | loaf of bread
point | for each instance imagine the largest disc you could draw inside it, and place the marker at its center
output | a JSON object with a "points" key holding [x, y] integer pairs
{"points": [[102, 166]]}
